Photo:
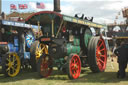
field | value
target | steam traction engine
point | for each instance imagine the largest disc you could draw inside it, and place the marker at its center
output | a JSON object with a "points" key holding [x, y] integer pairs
{"points": [[15, 41], [66, 43]]}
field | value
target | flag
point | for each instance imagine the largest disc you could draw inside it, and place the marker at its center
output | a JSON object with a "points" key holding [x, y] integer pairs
{"points": [[40, 5], [23, 6], [13, 7]]}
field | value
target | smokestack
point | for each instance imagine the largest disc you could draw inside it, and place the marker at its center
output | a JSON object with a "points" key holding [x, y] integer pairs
{"points": [[57, 6]]}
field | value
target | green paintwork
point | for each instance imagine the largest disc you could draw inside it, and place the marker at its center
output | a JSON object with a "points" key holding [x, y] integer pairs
{"points": [[9, 33], [58, 62], [72, 49], [86, 39], [87, 36], [76, 41], [83, 22]]}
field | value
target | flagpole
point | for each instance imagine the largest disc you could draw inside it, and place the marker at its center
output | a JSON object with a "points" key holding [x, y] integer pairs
{"points": [[10, 12], [19, 9], [0, 6]]}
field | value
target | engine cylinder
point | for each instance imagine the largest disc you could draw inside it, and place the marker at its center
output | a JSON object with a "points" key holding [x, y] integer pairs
{"points": [[72, 49]]}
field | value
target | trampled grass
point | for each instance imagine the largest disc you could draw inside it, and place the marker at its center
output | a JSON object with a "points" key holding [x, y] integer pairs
{"points": [[59, 78]]}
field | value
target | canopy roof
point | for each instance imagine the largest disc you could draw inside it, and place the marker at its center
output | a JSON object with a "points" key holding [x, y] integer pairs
{"points": [[46, 16]]}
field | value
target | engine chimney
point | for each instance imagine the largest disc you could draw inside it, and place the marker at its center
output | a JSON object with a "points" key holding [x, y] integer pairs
{"points": [[57, 6]]}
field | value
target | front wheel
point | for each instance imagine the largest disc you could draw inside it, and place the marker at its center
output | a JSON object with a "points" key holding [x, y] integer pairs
{"points": [[36, 50], [44, 65], [73, 66], [11, 64]]}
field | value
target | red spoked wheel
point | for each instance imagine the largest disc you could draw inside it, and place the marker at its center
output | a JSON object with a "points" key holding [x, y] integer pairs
{"points": [[101, 55], [44, 66], [74, 66], [97, 54]]}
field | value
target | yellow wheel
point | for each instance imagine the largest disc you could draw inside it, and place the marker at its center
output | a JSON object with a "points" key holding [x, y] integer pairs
{"points": [[36, 50], [11, 64], [40, 50]]}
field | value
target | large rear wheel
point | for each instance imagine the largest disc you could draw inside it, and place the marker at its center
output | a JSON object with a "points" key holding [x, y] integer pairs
{"points": [[11, 64], [97, 54]]}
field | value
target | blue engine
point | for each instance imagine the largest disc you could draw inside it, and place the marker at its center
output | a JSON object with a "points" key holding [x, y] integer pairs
{"points": [[16, 47]]}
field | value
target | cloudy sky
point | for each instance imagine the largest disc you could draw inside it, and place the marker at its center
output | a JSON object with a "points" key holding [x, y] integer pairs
{"points": [[103, 11]]}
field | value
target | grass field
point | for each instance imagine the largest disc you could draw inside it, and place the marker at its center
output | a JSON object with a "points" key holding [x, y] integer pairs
{"points": [[58, 78]]}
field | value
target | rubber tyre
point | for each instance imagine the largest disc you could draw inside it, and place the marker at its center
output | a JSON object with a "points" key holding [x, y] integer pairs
{"points": [[8, 63], [97, 52], [75, 67], [33, 60]]}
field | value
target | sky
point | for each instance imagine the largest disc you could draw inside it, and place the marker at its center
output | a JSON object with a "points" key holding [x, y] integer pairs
{"points": [[103, 11]]}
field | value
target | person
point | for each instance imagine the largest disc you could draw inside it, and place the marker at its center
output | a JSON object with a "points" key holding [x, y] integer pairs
{"points": [[122, 54]]}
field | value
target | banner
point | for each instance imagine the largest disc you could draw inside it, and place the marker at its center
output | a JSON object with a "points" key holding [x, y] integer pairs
{"points": [[40, 5]]}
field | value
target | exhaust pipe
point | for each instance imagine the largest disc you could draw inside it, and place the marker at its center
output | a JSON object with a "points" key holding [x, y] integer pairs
{"points": [[57, 6]]}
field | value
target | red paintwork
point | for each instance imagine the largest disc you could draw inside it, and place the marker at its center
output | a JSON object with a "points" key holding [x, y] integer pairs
{"points": [[43, 12], [45, 39], [3, 43], [44, 67], [75, 66], [101, 55]]}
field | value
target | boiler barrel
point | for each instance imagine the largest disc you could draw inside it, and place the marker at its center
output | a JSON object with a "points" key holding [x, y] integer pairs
{"points": [[72, 49]]}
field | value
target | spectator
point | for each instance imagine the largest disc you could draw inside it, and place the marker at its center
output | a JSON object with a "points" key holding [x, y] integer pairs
{"points": [[122, 60]]}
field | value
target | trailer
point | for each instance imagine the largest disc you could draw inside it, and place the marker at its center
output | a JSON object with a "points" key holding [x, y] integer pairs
{"points": [[15, 41], [67, 43]]}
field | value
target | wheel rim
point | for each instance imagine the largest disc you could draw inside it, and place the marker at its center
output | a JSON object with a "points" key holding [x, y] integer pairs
{"points": [[12, 64], [101, 55], [45, 68], [40, 49], [75, 66]]}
